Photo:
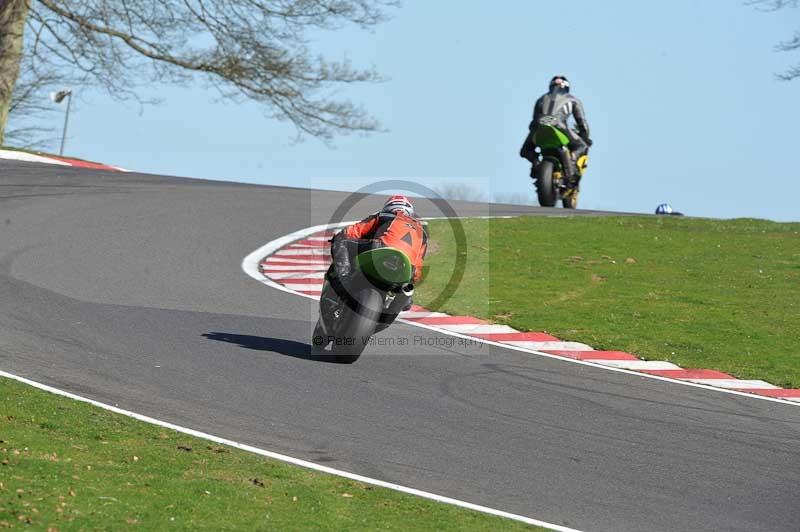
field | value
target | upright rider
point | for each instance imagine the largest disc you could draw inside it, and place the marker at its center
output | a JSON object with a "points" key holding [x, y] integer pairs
{"points": [[559, 104]]}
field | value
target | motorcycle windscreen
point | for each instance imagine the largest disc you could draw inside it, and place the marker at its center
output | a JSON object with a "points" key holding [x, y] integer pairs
{"points": [[385, 266], [550, 137]]}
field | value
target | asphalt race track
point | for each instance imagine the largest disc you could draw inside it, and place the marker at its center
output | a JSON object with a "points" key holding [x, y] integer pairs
{"points": [[127, 289]]}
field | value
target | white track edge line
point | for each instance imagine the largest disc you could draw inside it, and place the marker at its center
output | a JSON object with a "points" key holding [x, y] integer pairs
{"points": [[285, 458], [250, 267]]}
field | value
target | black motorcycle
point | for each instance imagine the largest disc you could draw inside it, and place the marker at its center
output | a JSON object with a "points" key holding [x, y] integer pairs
{"points": [[368, 302]]}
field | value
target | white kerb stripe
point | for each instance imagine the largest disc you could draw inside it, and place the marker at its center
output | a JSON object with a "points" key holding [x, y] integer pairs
{"points": [[421, 314], [636, 364], [290, 260], [475, 328], [736, 383], [29, 157], [294, 268], [296, 275], [306, 245], [305, 251], [305, 287], [550, 346]]}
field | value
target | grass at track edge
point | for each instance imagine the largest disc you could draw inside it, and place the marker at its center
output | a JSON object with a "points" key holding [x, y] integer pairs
{"points": [[67, 465], [710, 294]]}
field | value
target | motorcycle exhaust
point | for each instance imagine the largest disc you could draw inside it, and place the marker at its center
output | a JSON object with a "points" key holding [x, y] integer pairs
{"points": [[408, 289]]}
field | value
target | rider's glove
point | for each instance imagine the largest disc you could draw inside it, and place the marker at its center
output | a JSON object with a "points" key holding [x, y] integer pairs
{"points": [[589, 142]]}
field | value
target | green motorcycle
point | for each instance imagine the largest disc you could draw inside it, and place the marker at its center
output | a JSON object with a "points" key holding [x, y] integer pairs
{"points": [[551, 182], [368, 302]]}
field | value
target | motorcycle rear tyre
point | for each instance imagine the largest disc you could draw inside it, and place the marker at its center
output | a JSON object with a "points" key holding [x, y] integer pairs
{"points": [[545, 188], [361, 324]]}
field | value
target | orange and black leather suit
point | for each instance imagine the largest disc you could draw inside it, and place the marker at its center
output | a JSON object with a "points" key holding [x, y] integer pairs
{"points": [[392, 230]]}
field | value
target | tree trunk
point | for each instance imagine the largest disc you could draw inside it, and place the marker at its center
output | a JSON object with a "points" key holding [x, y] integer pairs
{"points": [[12, 27]]}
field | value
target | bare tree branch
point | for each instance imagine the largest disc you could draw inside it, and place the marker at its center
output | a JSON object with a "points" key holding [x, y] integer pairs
{"points": [[256, 50], [785, 46], [30, 108], [771, 5]]}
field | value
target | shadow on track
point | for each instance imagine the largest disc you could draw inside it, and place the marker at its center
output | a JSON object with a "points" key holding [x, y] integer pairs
{"points": [[289, 348]]}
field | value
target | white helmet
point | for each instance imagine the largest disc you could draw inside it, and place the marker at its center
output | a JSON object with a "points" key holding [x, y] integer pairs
{"points": [[399, 203]]}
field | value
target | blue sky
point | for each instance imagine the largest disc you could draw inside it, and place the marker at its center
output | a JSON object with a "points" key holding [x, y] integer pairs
{"points": [[681, 97]]}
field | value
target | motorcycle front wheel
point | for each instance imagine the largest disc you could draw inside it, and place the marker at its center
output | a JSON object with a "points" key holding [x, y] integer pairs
{"points": [[545, 188], [361, 324]]}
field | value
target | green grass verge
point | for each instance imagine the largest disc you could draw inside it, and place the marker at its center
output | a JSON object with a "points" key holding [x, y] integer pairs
{"points": [[700, 293], [66, 465]]}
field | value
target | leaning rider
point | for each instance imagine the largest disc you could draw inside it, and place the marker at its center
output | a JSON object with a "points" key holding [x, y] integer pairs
{"points": [[393, 226], [560, 104]]}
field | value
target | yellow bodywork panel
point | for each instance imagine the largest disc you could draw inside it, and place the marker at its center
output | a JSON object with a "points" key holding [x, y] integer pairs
{"points": [[583, 162]]}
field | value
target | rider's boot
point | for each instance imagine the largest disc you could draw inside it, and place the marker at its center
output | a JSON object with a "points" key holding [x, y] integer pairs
{"points": [[568, 166], [580, 168], [571, 179]]}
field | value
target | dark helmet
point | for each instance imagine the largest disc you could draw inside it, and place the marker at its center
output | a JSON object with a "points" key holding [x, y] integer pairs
{"points": [[664, 208], [559, 84]]}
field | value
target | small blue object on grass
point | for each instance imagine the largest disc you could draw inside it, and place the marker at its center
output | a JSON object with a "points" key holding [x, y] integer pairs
{"points": [[666, 209]]}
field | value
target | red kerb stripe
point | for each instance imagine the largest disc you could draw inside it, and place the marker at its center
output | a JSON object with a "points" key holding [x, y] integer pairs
{"points": [[688, 373], [783, 392], [311, 243], [594, 355], [84, 164], [294, 280]]}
